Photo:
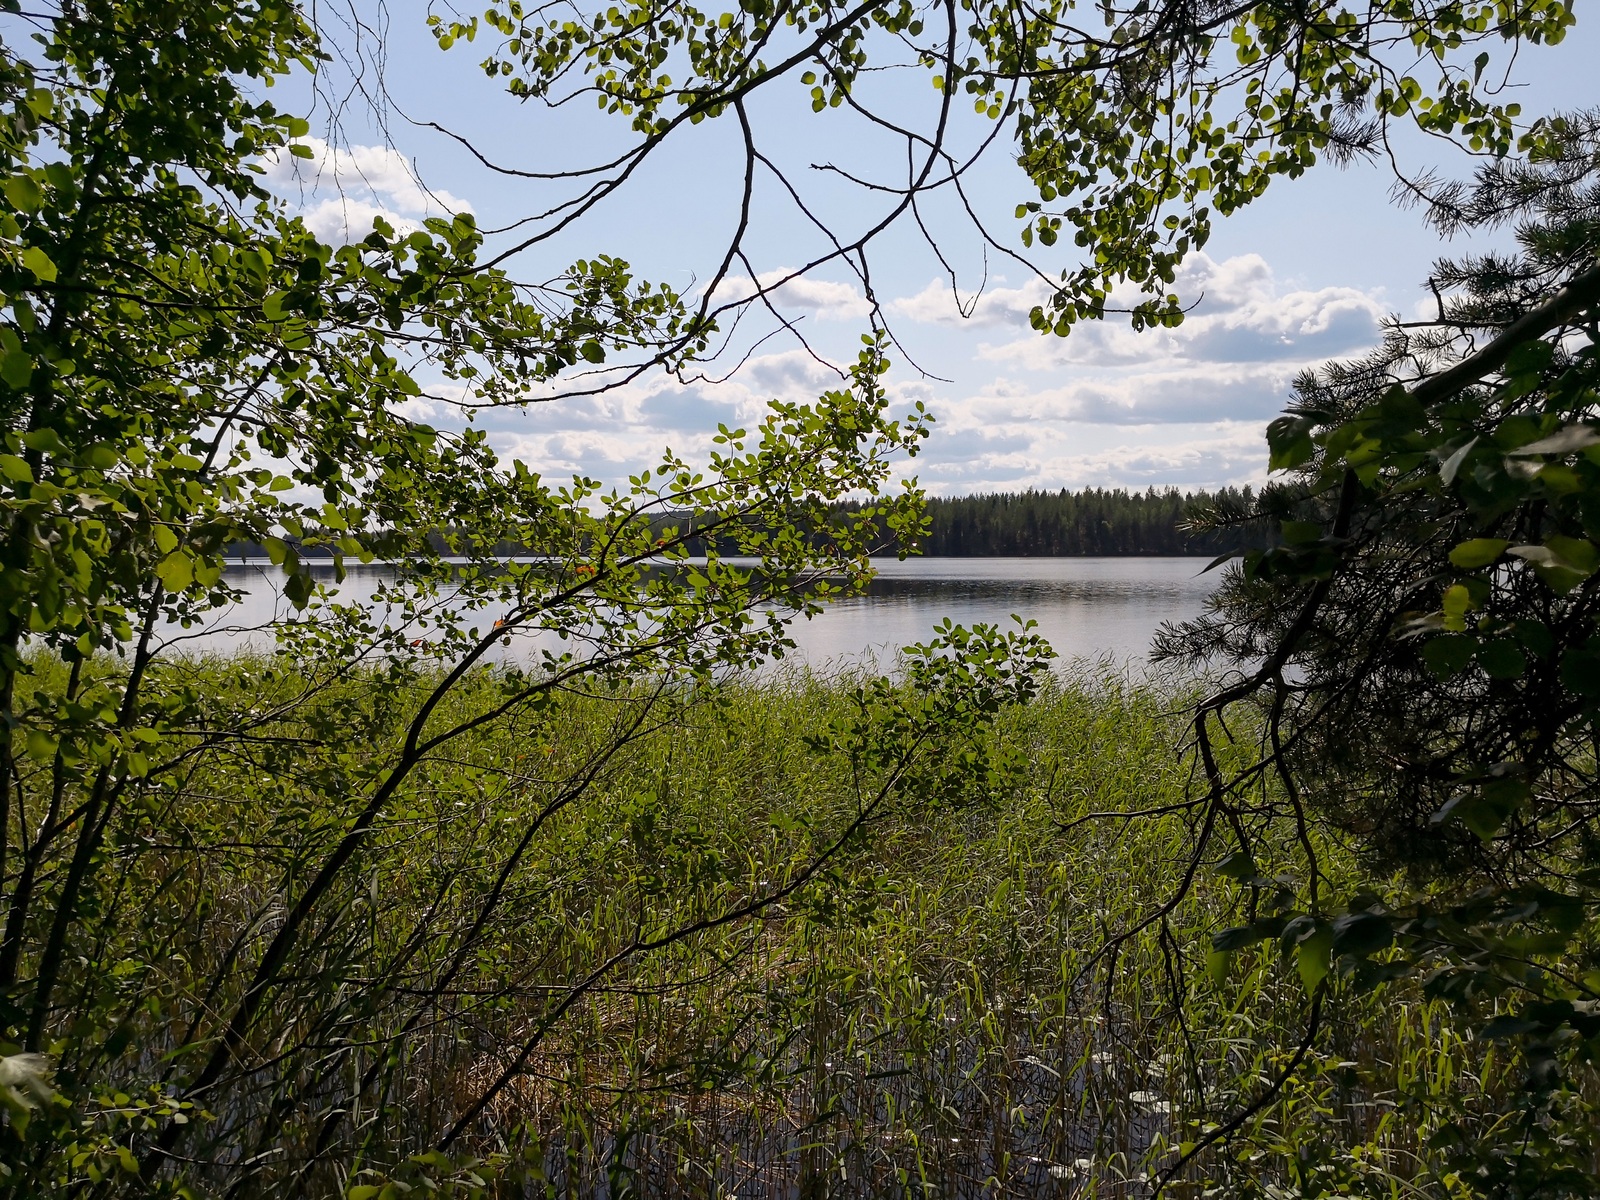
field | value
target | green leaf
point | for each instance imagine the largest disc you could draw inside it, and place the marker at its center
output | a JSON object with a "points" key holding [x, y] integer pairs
{"points": [[47, 440], [1217, 962], [1578, 553], [41, 746], [298, 586], [1502, 659], [1529, 358], [1552, 567], [1362, 933], [16, 368], [37, 261], [16, 1111], [15, 469], [1289, 440], [176, 571], [1449, 654], [1457, 602], [1580, 669], [24, 193], [1238, 865], [1449, 468], [1478, 552], [102, 456], [1485, 809], [1240, 936], [1507, 1025], [1313, 956]]}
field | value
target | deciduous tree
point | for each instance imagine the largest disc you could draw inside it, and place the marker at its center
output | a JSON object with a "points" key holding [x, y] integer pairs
{"points": [[262, 926]]}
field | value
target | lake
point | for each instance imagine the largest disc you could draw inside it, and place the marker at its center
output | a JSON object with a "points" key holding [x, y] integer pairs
{"points": [[1088, 608]]}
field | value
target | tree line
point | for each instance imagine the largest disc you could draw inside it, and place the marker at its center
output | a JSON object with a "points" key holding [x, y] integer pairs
{"points": [[1027, 524], [302, 924], [1094, 521]]}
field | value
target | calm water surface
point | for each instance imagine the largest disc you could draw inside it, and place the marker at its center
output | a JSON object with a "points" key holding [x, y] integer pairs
{"points": [[1086, 607]]}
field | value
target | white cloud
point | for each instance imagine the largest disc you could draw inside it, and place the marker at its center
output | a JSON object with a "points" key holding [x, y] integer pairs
{"points": [[344, 219], [1192, 427], [1105, 407], [1227, 454], [364, 182], [1060, 455], [624, 430], [417, 408], [937, 304], [1167, 418], [1241, 315], [1175, 394], [828, 299], [1108, 406]]}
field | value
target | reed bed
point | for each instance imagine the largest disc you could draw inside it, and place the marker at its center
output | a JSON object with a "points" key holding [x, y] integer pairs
{"points": [[934, 1014]]}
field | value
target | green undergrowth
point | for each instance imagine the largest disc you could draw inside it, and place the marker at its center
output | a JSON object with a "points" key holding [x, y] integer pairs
{"points": [[990, 991]]}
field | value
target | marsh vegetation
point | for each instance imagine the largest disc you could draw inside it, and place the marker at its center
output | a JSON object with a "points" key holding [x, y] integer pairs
{"points": [[810, 980], [380, 911]]}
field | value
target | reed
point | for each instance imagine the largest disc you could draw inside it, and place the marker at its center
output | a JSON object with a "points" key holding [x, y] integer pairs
{"points": [[935, 1012]]}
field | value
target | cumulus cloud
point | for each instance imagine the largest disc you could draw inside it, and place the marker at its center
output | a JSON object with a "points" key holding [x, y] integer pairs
{"points": [[625, 429], [939, 304], [1230, 455], [1106, 407], [1197, 422], [1196, 394], [1058, 455], [343, 188], [1233, 360], [826, 298], [1242, 315]]}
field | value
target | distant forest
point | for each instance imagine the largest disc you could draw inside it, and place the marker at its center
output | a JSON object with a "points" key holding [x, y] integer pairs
{"points": [[1097, 521], [1031, 524]]}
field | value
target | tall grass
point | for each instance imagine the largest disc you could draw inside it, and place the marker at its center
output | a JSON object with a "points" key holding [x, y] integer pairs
{"points": [[935, 1013]]}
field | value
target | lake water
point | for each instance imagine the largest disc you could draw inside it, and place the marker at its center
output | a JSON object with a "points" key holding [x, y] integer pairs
{"points": [[1085, 607], [1088, 608]]}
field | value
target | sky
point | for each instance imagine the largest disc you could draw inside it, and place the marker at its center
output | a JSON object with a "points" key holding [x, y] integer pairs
{"points": [[1305, 274]]}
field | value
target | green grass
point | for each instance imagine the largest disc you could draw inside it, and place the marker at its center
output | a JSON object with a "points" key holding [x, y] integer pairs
{"points": [[934, 1012]]}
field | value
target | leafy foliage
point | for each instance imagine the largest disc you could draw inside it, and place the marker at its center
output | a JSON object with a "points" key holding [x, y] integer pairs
{"points": [[187, 367], [1137, 122], [248, 917], [1424, 649]]}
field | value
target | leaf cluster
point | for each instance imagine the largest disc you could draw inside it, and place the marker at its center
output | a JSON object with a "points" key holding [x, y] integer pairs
{"points": [[1423, 646]]}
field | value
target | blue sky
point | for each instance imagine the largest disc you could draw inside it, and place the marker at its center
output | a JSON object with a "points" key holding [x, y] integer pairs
{"points": [[1305, 274]]}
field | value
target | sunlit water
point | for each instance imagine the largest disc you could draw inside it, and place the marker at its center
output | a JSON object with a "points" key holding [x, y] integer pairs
{"points": [[1088, 608]]}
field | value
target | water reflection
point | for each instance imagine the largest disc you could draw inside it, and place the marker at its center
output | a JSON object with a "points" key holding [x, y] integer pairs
{"points": [[1087, 607]]}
